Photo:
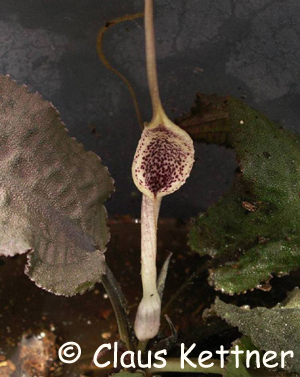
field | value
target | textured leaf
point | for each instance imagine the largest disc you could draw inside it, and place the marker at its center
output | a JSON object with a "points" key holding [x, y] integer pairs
{"points": [[245, 344], [51, 195], [275, 329], [254, 229]]}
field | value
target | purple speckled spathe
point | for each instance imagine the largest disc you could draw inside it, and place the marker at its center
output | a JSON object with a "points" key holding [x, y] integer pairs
{"points": [[163, 160]]}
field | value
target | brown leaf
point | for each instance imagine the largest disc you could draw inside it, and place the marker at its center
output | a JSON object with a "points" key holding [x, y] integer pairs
{"points": [[51, 195]]}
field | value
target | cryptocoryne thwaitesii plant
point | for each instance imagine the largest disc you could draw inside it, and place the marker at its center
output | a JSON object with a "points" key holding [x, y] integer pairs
{"points": [[52, 194]]}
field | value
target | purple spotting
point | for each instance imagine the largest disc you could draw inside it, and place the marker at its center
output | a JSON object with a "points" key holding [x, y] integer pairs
{"points": [[164, 160]]}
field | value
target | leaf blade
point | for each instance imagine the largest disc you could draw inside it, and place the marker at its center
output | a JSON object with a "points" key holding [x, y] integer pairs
{"points": [[260, 211], [275, 329], [51, 194]]}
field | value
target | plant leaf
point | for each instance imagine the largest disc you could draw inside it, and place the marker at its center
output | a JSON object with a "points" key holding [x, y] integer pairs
{"points": [[254, 230], [231, 370], [275, 329], [51, 195], [245, 344], [208, 121]]}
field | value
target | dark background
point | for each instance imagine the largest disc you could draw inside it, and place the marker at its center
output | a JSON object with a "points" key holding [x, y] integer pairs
{"points": [[248, 48]]}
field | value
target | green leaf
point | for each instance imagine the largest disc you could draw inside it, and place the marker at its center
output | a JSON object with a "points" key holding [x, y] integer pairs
{"points": [[275, 329], [51, 195], [254, 230], [243, 344], [208, 121]]}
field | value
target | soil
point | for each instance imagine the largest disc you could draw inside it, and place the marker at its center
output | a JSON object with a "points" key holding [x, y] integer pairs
{"points": [[34, 323]]}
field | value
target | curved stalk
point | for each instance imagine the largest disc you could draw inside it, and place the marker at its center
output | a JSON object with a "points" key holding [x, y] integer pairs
{"points": [[173, 365], [114, 70]]}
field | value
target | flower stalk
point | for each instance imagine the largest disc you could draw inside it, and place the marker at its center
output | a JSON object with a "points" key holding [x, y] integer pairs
{"points": [[161, 165], [151, 59], [148, 316]]}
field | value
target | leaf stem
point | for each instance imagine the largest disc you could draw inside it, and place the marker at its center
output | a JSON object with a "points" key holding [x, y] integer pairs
{"points": [[151, 60], [119, 305], [173, 365]]}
